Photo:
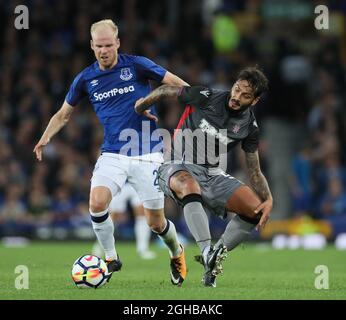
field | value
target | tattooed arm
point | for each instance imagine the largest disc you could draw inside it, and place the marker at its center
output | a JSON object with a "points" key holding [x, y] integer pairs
{"points": [[257, 179], [260, 185], [163, 91]]}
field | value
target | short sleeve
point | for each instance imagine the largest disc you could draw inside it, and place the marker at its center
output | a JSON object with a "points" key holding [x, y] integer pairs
{"points": [[76, 92], [250, 143], [149, 69], [196, 95]]}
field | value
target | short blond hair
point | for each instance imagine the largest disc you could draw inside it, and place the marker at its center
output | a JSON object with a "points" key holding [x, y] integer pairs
{"points": [[104, 23]]}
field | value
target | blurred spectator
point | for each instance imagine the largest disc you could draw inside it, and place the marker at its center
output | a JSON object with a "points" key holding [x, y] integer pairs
{"points": [[63, 208], [333, 202], [302, 184], [39, 204], [333, 205], [13, 212]]}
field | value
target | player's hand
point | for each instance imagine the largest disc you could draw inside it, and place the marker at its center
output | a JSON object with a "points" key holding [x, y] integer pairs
{"points": [[138, 102], [265, 207], [39, 148], [145, 113], [150, 116]]}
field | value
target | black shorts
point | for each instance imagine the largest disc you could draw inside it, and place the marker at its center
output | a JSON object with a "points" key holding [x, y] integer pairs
{"points": [[216, 185]]}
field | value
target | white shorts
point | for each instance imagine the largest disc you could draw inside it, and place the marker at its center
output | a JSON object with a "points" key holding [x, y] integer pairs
{"points": [[112, 170], [126, 195]]}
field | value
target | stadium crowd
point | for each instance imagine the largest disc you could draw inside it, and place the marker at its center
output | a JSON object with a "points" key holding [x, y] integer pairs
{"points": [[302, 119]]}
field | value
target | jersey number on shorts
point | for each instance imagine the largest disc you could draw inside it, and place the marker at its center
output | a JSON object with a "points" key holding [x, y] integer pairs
{"points": [[156, 180]]}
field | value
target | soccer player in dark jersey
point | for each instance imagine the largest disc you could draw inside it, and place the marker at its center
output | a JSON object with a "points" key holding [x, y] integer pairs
{"points": [[113, 84], [200, 184]]}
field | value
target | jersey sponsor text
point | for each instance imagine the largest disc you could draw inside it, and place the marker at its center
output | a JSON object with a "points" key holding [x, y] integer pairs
{"points": [[113, 92]]}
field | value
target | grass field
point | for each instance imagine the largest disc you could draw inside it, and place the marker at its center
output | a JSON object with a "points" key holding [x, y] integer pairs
{"points": [[251, 272]]}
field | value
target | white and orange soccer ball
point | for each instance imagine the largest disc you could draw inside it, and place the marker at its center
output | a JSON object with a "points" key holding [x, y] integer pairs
{"points": [[89, 271]]}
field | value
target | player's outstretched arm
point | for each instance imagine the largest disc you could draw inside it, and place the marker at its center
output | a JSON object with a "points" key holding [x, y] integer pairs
{"points": [[55, 124], [260, 185], [163, 91], [173, 80]]}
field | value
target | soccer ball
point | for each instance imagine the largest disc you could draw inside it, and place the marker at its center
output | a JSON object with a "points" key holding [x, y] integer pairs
{"points": [[89, 271]]}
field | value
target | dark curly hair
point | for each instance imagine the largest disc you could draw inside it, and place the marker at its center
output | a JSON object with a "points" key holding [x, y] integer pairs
{"points": [[256, 78]]}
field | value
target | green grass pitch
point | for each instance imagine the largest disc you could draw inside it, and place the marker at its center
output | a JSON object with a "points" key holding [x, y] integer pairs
{"points": [[250, 272]]}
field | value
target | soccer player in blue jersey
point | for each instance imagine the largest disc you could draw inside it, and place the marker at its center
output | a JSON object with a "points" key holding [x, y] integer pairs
{"points": [[113, 83]]}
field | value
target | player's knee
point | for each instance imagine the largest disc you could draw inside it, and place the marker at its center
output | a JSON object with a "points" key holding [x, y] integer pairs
{"points": [[97, 206], [249, 210], [253, 215], [156, 226], [99, 199], [155, 219], [182, 183], [244, 202]]}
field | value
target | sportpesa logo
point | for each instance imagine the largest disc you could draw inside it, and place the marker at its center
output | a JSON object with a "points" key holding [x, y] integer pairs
{"points": [[113, 93]]}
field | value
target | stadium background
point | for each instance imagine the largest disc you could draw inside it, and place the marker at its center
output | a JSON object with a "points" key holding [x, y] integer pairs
{"points": [[302, 119]]}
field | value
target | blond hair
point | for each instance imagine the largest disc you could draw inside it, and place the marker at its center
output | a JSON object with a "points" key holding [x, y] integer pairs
{"points": [[104, 23]]}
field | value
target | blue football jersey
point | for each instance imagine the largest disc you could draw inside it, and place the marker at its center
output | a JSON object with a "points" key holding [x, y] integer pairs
{"points": [[113, 94]]}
